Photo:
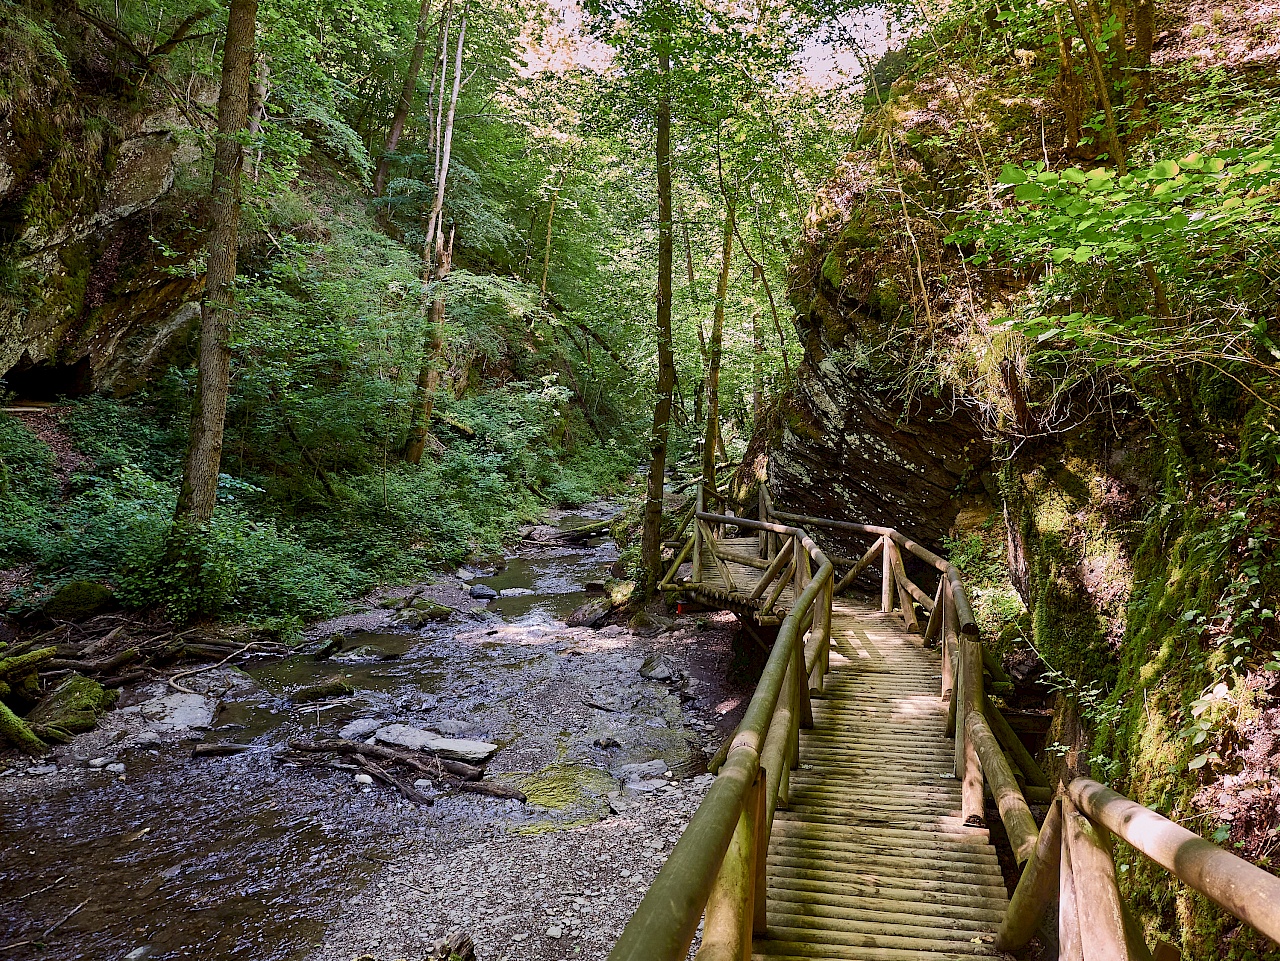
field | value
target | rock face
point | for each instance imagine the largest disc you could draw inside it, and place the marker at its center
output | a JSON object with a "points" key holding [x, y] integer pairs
{"points": [[99, 279], [847, 446]]}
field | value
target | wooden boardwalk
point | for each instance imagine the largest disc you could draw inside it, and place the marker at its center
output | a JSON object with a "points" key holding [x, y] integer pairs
{"points": [[870, 860], [846, 823]]}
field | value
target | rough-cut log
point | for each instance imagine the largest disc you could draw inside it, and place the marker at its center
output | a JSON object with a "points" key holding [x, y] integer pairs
{"points": [[1244, 889], [1018, 822], [1037, 887], [1098, 904], [14, 730], [101, 665], [21, 664]]}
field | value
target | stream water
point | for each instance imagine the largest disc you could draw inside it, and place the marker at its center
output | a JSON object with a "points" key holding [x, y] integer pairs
{"points": [[243, 857]]}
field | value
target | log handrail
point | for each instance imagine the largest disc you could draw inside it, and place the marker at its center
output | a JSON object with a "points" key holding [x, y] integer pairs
{"points": [[719, 863]]}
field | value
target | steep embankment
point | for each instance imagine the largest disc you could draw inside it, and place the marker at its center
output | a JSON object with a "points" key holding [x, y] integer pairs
{"points": [[1124, 468], [97, 192]]}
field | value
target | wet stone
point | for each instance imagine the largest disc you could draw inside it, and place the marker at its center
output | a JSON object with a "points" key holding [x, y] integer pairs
{"points": [[402, 735], [361, 727], [659, 667], [482, 592]]}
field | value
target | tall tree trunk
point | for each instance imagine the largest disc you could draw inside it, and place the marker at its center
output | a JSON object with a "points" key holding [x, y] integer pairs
{"points": [[1140, 61], [711, 436], [429, 372], [651, 540], [546, 248], [199, 491], [405, 104], [757, 369]]}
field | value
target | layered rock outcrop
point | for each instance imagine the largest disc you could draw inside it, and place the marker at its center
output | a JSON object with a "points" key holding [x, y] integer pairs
{"points": [[97, 229]]}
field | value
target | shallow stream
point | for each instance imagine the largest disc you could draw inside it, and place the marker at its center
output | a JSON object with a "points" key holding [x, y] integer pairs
{"points": [[245, 857]]}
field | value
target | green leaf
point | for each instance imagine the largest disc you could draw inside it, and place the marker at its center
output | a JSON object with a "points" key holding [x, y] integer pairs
{"points": [[1073, 175], [1009, 174], [1029, 193], [1166, 170]]}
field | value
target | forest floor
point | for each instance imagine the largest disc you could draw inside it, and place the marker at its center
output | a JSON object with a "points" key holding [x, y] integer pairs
{"points": [[122, 845]]}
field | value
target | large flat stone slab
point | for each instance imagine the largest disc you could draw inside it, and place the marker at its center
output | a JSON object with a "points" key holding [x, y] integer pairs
{"points": [[455, 749], [175, 712]]}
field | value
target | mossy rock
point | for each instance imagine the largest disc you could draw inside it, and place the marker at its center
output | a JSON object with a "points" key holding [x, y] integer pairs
{"points": [[323, 691], [78, 601], [73, 707]]}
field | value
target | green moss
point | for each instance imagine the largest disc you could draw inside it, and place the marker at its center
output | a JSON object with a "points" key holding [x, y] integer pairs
{"points": [[562, 786], [73, 707], [78, 600], [833, 270]]}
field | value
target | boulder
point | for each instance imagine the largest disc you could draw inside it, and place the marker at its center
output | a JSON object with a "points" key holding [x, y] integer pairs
{"points": [[361, 727], [455, 749], [322, 691], [591, 614], [659, 667], [421, 611], [78, 600], [176, 711], [73, 706], [482, 592], [628, 773]]}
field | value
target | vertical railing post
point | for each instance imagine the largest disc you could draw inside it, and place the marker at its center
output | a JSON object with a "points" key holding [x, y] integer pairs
{"points": [[762, 539], [969, 699], [760, 889], [697, 538], [1070, 947], [886, 576], [941, 610], [1098, 906], [730, 911]]}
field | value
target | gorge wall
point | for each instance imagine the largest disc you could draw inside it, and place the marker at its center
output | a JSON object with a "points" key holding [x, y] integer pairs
{"points": [[99, 208]]}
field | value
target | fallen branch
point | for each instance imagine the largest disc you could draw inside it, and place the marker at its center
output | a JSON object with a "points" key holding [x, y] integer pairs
{"points": [[410, 792], [430, 765], [99, 666]]}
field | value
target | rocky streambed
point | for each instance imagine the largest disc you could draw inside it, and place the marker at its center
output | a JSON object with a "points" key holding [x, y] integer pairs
{"points": [[124, 845]]}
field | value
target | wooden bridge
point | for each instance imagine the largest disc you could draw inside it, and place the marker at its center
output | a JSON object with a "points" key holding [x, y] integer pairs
{"points": [[847, 818]]}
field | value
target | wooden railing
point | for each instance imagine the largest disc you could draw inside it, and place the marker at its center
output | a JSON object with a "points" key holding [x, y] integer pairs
{"points": [[718, 866]]}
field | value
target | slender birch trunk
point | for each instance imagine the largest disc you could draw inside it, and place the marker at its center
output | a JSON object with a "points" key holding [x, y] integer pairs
{"points": [[442, 258], [714, 351]]}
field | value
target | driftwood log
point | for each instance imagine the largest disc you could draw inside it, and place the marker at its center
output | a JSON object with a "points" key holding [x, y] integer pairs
{"points": [[424, 763], [381, 774], [455, 774]]}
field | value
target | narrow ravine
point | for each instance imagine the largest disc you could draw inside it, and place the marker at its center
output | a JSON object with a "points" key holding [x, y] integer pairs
{"points": [[147, 852]]}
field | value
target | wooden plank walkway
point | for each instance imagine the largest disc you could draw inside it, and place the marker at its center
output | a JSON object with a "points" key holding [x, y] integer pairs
{"points": [[870, 860]]}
